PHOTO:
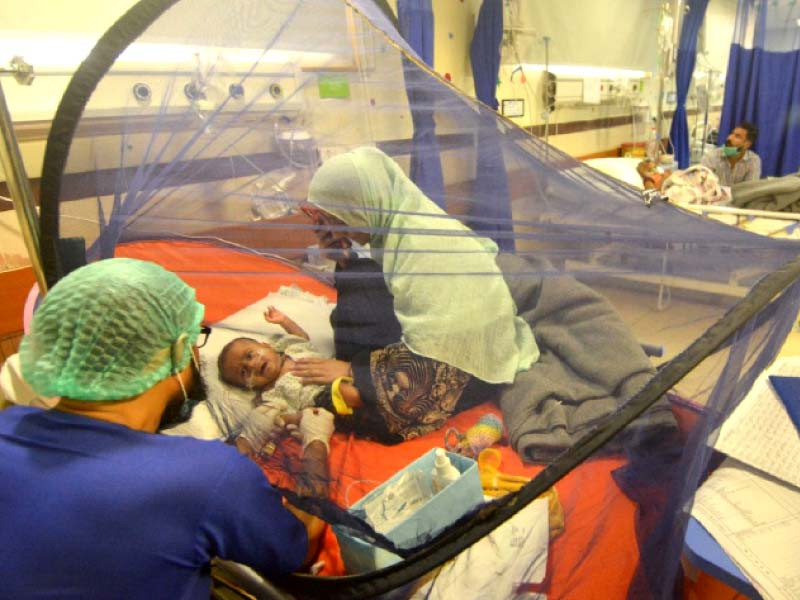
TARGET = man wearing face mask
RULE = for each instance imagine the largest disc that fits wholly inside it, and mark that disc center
(735, 162)
(95, 502)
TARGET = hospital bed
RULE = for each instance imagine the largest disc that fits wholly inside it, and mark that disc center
(358, 465)
(756, 206)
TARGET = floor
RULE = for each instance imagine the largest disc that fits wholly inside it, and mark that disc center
(673, 324)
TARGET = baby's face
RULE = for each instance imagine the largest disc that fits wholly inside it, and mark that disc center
(251, 365)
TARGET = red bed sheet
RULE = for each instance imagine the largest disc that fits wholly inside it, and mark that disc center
(596, 554)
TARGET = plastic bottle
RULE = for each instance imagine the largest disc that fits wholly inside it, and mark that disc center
(443, 472)
(652, 142)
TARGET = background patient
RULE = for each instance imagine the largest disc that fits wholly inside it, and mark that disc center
(694, 185)
(652, 178)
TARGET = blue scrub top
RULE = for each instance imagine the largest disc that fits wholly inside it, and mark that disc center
(91, 509)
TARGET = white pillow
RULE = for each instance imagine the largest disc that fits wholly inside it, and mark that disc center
(622, 168)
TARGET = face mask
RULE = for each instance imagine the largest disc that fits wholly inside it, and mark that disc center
(359, 250)
(730, 151)
(180, 411)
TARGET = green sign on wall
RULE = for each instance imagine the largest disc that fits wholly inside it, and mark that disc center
(335, 85)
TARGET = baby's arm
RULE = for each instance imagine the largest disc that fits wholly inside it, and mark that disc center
(275, 316)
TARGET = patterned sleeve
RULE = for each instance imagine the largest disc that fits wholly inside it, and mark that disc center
(414, 394)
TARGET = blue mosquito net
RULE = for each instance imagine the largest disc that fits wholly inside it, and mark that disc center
(246, 143)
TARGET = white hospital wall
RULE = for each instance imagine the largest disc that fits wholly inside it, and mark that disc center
(619, 33)
(574, 42)
(32, 107)
(91, 16)
(574, 29)
(718, 33)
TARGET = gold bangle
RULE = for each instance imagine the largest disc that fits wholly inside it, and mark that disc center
(339, 404)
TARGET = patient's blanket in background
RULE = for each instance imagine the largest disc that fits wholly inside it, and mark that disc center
(780, 194)
(696, 185)
(590, 364)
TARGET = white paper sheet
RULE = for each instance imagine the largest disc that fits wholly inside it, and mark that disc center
(499, 564)
(756, 520)
(760, 432)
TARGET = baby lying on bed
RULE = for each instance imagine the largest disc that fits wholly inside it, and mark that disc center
(266, 369)
(695, 185)
(275, 372)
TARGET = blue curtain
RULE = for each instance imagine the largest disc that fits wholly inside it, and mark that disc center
(485, 51)
(687, 54)
(491, 212)
(415, 20)
(763, 82)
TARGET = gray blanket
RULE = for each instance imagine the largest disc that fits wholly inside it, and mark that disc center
(780, 194)
(590, 365)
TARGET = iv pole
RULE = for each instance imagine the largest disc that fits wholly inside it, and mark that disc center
(667, 61)
(18, 184)
(705, 112)
(546, 40)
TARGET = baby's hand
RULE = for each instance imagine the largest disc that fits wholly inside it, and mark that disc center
(275, 316)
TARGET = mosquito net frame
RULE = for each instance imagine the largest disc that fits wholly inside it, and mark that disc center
(584, 224)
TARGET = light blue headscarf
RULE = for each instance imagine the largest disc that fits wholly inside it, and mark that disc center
(449, 296)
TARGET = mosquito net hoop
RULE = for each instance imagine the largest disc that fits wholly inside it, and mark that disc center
(192, 137)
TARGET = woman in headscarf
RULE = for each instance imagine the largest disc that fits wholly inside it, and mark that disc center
(427, 325)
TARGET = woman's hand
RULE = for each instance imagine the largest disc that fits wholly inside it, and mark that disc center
(320, 371)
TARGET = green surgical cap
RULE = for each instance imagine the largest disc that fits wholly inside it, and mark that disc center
(110, 330)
